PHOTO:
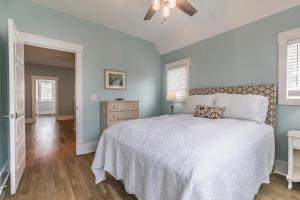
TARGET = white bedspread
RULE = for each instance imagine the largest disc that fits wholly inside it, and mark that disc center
(182, 157)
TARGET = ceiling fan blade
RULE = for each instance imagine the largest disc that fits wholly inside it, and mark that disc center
(186, 7)
(150, 13)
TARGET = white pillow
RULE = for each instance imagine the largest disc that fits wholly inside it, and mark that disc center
(194, 100)
(249, 107)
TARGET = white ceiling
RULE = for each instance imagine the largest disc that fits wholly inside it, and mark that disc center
(48, 57)
(213, 17)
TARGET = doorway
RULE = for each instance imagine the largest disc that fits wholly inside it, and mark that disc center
(49, 43)
(49, 95)
(49, 102)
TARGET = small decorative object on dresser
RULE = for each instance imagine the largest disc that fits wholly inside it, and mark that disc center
(113, 112)
(171, 97)
(294, 158)
(115, 79)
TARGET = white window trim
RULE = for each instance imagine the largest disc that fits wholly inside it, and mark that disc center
(283, 40)
(176, 64)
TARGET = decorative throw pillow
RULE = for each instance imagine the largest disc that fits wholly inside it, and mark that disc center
(216, 112)
(202, 111)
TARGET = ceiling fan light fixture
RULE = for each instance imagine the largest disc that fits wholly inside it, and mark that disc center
(156, 5)
(171, 3)
(167, 5)
(165, 11)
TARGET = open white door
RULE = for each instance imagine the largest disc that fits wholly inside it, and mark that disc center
(17, 106)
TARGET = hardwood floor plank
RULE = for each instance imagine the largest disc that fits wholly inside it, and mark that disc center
(113, 192)
(54, 172)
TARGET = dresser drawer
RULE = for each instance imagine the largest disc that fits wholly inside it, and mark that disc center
(296, 143)
(123, 115)
(123, 106)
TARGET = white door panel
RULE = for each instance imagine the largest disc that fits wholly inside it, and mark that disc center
(17, 106)
(20, 130)
(20, 155)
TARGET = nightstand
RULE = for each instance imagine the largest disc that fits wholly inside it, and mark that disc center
(294, 158)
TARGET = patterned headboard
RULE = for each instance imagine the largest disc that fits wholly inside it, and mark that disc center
(268, 90)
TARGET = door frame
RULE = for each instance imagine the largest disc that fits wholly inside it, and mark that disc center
(33, 96)
(45, 42)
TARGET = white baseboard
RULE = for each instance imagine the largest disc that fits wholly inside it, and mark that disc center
(87, 148)
(46, 113)
(4, 174)
(65, 117)
(29, 120)
(281, 167)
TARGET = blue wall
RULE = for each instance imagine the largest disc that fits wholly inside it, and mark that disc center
(3, 87)
(246, 55)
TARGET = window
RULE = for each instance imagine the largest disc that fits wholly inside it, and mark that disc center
(289, 67)
(178, 79)
(46, 90)
(293, 69)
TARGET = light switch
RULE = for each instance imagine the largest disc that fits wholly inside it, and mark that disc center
(93, 97)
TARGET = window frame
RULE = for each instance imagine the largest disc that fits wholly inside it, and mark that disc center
(284, 40)
(39, 91)
(174, 65)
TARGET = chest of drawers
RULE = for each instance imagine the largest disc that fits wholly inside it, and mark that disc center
(113, 112)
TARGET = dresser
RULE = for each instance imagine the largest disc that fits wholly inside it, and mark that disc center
(293, 158)
(113, 112)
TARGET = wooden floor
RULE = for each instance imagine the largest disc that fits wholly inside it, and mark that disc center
(53, 170)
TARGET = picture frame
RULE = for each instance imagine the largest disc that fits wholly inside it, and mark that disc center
(115, 79)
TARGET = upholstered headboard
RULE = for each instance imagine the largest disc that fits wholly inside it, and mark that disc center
(267, 90)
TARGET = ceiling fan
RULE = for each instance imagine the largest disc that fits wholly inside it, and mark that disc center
(166, 5)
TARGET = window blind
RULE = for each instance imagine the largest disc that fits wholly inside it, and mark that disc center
(293, 69)
(177, 81)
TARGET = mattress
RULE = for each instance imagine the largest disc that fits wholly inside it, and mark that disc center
(182, 157)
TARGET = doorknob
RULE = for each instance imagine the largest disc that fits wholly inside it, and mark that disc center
(5, 116)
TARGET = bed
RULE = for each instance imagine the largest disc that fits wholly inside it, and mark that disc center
(182, 157)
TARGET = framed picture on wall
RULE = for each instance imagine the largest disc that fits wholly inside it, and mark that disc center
(115, 79)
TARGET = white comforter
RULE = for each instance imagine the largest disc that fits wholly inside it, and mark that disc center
(182, 157)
